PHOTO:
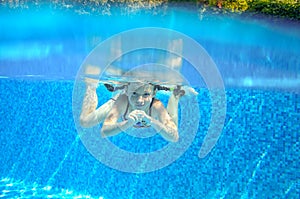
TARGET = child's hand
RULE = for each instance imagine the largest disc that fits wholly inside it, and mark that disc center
(138, 116)
(133, 117)
(144, 117)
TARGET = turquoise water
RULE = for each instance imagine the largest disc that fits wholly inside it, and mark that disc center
(42, 155)
(251, 52)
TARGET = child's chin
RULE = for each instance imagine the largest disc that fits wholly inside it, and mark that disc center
(140, 107)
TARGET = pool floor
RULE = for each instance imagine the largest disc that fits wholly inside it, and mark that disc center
(257, 155)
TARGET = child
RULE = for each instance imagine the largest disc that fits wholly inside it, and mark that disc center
(138, 108)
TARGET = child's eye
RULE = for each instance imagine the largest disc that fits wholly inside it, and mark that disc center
(134, 93)
(146, 94)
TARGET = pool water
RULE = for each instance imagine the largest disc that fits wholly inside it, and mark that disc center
(257, 155)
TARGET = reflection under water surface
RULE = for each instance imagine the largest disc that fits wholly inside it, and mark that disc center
(257, 155)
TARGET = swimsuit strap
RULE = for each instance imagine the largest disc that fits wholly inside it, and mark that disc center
(127, 107)
(151, 106)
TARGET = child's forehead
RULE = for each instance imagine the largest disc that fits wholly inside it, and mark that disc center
(140, 87)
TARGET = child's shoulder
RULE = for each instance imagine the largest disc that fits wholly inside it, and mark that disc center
(122, 100)
(157, 104)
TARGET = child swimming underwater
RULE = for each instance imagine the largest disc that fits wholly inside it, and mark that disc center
(137, 107)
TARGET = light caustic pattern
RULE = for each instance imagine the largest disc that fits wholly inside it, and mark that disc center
(19, 189)
(125, 57)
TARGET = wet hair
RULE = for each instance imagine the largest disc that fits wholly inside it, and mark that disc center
(159, 88)
(111, 88)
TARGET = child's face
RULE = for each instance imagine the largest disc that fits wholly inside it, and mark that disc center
(140, 95)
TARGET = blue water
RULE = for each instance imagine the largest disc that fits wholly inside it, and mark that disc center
(257, 155)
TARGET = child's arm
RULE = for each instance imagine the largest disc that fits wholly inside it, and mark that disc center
(165, 124)
(111, 126)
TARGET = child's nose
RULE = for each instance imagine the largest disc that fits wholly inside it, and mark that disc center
(140, 99)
